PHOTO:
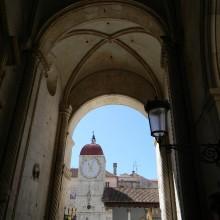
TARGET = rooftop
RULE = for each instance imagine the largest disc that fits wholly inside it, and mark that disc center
(92, 149)
(135, 197)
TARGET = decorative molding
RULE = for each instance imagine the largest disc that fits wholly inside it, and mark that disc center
(66, 110)
(56, 181)
(104, 35)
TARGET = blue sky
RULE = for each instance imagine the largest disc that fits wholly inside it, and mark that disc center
(124, 135)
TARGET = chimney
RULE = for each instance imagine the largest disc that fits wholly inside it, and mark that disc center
(115, 169)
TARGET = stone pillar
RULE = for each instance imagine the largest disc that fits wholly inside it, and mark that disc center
(17, 142)
(165, 185)
(56, 181)
(181, 127)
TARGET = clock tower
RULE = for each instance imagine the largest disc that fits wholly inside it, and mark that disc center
(91, 183)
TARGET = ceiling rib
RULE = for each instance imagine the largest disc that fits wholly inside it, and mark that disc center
(104, 35)
(111, 38)
(142, 61)
(75, 72)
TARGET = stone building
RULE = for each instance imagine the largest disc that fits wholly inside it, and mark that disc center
(95, 194)
(59, 59)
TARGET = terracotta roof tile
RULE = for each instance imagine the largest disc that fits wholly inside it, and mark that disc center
(130, 195)
(91, 149)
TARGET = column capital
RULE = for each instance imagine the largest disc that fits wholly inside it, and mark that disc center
(65, 109)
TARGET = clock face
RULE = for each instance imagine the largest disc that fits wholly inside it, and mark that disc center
(90, 168)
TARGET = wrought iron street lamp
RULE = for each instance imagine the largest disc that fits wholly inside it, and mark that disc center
(157, 115)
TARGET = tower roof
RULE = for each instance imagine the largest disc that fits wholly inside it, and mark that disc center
(92, 149)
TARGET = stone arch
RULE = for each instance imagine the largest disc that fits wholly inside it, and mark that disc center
(111, 82)
(65, 20)
(102, 101)
(163, 167)
(92, 104)
(135, 44)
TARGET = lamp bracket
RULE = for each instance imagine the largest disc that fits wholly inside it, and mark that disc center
(209, 153)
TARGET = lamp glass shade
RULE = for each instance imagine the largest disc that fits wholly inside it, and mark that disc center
(157, 120)
(157, 115)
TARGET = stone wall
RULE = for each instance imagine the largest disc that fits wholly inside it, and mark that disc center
(33, 192)
(201, 42)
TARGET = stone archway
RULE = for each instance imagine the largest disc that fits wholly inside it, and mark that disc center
(163, 162)
(91, 49)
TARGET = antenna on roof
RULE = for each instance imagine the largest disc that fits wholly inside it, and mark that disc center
(93, 138)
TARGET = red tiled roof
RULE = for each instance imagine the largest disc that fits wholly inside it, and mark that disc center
(124, 196)
(91, 149)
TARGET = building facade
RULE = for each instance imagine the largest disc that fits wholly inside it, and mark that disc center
(92, 193)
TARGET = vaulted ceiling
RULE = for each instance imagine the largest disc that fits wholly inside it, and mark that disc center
(98, 47)
(108, 44)
(106, 48)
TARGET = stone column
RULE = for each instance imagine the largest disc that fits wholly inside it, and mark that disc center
(181, 127)
(56, 181)
(165, 186)
(66, 174)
